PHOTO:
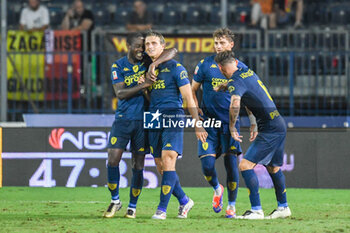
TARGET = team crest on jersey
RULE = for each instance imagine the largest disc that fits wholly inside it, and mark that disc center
(232, 185)
(135, 192)
(213, 66)
(156, 72)
(126, 69)
(135, 68)
(183, 74)
(231, 88)
(208, 178)
(205, 146)
(166, 189)
(115, 76)
(112, 186)
(114, 140)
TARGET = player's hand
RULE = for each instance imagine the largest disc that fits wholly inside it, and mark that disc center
(200, 114)
(253, 132)
(141, 79)
(235, 135)
(221, 87)
(201, 134)
(149, 80)
(152, 70)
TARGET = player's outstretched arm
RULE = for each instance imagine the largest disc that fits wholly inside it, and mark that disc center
(253, 126)
(187, 95)
(126, 93)
(234, 113)
(195, 87)
(166, 55)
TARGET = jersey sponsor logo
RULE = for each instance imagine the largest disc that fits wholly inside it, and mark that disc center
(159, 84)
(165, 70)
(93, 140)
(247, 74)
(213, 66)
(205, 146)
(166, 189)
(183, 74)
(168, 145)
(135, 68)
(215, 82)
(208, 178)
(126, 69)
(133, 78)
(196, 70)
(135, 192)
(115, 76)
(232, 185)
(231, 89)
(114, 140)
(274, 114)
(112, 186)
(114, 66)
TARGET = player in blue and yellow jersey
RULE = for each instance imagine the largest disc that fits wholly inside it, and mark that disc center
(267, 149)
(166, 144)
(219, 141)
(128, 125)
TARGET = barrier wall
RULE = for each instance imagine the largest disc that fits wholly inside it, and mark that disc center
(47, 157)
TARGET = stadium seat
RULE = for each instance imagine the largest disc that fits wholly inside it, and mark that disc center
(215, 15)
(101, 16)
(195, 16)
(121, 15)
(56, 16)
(339, 14)
(171, 16)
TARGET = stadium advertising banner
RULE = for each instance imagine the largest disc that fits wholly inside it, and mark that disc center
(48, 157)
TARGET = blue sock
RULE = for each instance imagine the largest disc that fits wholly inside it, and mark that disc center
(179, 193)
(232, 180)
(136, 187)
(252, 183)
(168, 182)
(208, 168)
(113, 181)
(280, 188)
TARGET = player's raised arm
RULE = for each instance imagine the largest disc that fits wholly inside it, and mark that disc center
(234, 113)
(253, 126)
(166, 55)
(187, 95)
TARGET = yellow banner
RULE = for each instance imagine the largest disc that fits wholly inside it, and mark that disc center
(25, 65)
(182, 44)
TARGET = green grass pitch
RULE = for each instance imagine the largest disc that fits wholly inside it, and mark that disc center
(25, 209)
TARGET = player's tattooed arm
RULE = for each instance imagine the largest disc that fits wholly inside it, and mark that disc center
(187, 95)
(234, 113)
(253, 125)
(195, 87)
(166, 55)
(125, 93)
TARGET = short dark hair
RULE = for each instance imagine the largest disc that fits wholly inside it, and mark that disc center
(225, 57)
(132, 36)
(224, 32)
(156, 34)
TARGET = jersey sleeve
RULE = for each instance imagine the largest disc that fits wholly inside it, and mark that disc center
(116, 74)
(181, 75)
(198, 72)
(236, 87)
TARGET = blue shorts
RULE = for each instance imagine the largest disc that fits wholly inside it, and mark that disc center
(125, 130)
(165, 139)
(267, 149)
(219, 141)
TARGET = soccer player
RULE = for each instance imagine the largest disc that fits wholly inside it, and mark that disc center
(167, 143)
(128, 124)
(219, 141)
(267, 149)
